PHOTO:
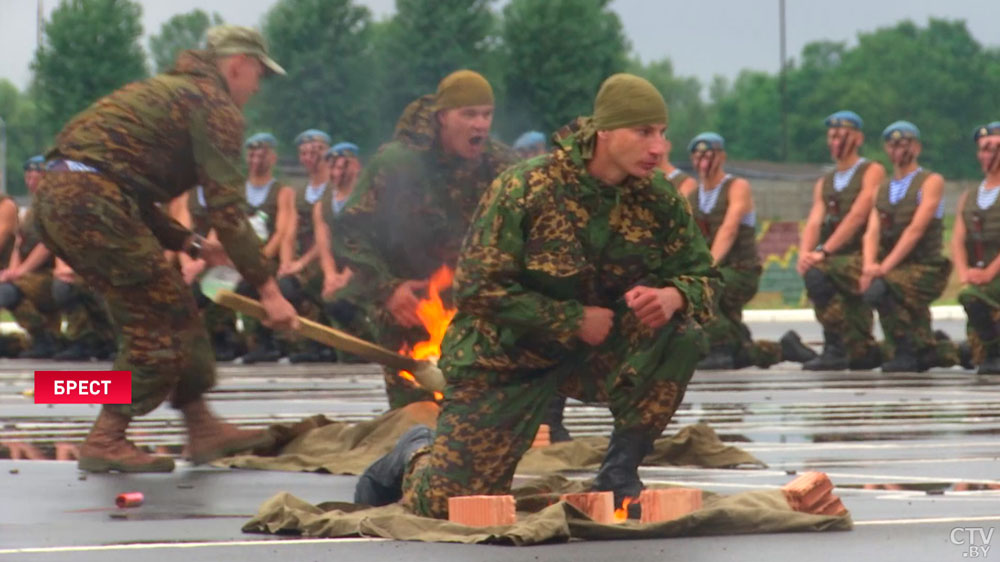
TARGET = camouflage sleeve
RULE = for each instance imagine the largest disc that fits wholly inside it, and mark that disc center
(169, 232)
(216, 135)
(487, 280)
(353, 239)
(688, 265)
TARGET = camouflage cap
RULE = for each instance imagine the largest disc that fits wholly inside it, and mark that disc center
(237, 40)
(463, 88)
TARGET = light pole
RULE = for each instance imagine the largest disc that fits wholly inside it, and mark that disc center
(781, 82)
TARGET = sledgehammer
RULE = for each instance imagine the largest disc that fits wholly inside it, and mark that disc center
(218, 284)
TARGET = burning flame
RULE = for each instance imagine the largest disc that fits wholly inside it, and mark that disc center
(436, 319)
(621, 514)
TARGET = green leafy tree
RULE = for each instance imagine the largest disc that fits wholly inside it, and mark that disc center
(183, 31)
(324, 47)
(24, 136)
(425, 41)
(749, 117)
(557, 53)
(91, 48)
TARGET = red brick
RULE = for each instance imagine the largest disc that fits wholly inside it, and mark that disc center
(542, 438)
(668, 504)
(812, 492)
(599, 506)
(482, 511)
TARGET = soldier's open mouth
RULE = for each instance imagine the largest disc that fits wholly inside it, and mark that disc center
(477, 140)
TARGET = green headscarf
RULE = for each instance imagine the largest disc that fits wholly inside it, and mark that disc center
(624, 100)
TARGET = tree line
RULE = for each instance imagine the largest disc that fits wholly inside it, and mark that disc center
(352, 75)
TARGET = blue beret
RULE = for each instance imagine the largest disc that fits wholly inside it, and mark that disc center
(261, 139)
(531, 138)
(310, 135)
(901, 130)
(845, 119)
(343, 149)
(707, 141)
(986, 130)
(35, 163)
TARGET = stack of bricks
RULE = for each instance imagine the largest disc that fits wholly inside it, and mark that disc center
(482, 511)
(542, 438)
(599, 506)
(812, 492)
(668, 504)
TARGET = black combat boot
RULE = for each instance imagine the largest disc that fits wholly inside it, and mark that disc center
(718, 359)
(619, 472)
(872, 359)
(382, 482)
(81, 349)
(905, 360)
(833, 358)
(981, 320)
(554, 419)
(43, 346)
(792, 348)
(266, 351)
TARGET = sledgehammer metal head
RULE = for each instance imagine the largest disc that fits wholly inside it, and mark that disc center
(218, 284)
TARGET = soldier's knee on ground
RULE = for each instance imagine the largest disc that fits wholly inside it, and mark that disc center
(819, 288)
(877, 295)
(64, 294)
(10, 295)
(291, 289)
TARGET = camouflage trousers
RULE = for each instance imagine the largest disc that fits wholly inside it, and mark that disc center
(727, 330)
(36, 311)
(489, 418)
(304, 290)
(905, 314)
(842, 312)
(86, 316)
(88, 221)
(988, 295)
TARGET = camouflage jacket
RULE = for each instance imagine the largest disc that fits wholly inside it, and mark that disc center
(549, 239)
(158, 138)
(411, 207)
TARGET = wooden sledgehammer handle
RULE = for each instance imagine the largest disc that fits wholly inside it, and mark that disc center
(324, 334)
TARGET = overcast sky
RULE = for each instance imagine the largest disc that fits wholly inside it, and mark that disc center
(704, 39)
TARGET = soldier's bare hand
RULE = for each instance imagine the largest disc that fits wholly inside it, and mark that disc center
(979, 276)
(281, 314)
(654, 307)
(595, 325)
(191, 270)
(403, 303)
(213, 253)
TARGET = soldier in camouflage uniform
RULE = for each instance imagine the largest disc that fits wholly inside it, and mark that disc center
(975, 250)
(345, 169)
(830, 250)
(300, 275)
(903, 269)
(584, 273)
(145, 143)
(89, 333)
(411, 208)
(26, 283)
(270, 205)
(724, 211)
